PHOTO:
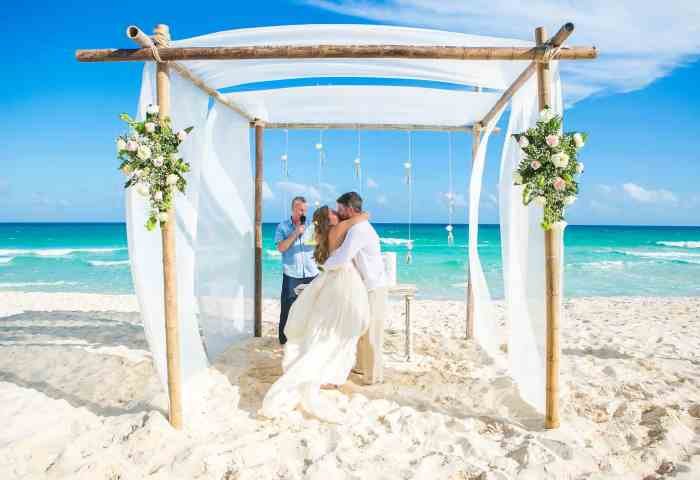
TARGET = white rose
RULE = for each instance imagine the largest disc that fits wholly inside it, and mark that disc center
(578, 140)
(517, 179)
(579, 167)
(132, 146)
(171, 179)
(569, 200)
(121, 144)
(150, 127)
(181, 135)
(158, 196)
(144, 153)
(158, 161)
(153, 109)
(540, 201)
(546, 115)
(142, 189)
(523, 142)
(560, 160)
(163, 216)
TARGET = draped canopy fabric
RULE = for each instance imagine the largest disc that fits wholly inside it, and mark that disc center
(215, 251)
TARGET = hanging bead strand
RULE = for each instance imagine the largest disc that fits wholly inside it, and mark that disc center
(408, 166)
(450, 193)
(358, 160)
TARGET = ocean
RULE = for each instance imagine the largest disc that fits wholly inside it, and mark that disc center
(600, 260)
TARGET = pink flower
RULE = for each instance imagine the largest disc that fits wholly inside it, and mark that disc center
(535, 165)
(132, 146)
(552, 140)
(559, 184)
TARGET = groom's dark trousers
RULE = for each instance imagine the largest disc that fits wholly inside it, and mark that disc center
(288, 297)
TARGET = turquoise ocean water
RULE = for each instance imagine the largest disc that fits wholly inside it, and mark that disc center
(600, 260)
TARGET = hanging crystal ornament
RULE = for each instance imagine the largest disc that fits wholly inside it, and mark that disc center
(358, 161)
(407, 173)
(450, 235)
(285, 155)
(409, 252)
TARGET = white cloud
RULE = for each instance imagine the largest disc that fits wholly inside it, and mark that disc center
(323, 193)
(371, 183)
(459, 200)
(381, 199)
(643, 195)
(638, 40)
(267, 192)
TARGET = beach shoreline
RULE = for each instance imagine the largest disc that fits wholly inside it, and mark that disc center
(81, 400)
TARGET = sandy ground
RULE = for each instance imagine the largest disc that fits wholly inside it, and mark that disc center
(80, 400)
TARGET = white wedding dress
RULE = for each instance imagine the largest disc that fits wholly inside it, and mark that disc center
(324, 325)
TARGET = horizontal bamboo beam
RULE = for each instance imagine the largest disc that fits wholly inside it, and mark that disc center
(333, 51)
(556, 41)
(369, 126)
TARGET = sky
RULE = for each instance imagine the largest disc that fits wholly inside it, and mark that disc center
(638, 102)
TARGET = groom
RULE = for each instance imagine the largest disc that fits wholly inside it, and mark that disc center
(361, 246)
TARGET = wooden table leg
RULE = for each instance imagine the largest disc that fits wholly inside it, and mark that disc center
(409, 333)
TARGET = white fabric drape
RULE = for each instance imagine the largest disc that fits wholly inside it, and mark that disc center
(485, 326)
(228, 73)
(374, 104)
(188, 108)
(522, 246)
(224, 251)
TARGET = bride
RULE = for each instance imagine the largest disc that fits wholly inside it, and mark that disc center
(324, 325)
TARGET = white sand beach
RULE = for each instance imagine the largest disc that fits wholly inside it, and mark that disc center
(80, 399)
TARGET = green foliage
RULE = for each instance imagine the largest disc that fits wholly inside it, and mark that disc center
(548, 171)
(149, 155)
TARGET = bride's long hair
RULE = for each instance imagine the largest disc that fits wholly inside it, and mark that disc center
(322, 226)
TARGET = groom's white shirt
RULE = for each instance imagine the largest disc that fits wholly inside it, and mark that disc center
(361, 245)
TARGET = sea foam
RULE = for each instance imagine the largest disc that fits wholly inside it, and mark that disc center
(108, 263)
(55, 252)
(687, 244)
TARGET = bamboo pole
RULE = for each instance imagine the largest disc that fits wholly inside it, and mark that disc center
(172, 334)
(259, 134)
(552, 247)
(476, 138)
(267, 52)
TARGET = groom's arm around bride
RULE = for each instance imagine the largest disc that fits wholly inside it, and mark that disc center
(362, 247)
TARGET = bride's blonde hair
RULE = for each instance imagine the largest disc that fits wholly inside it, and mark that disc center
(322, 226)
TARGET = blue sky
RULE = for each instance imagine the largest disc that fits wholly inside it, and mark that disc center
(638, 102)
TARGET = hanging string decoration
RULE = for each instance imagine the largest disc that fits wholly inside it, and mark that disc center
(285, 171)
(321, 162)
(408, 172)
(450, 193)
(358, 161)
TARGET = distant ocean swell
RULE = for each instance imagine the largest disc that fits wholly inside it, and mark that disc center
(56, 252)
(689, 244)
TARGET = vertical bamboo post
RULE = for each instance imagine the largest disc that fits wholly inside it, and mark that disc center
(476, 138)
(172, 333)
(552, 249)
(259, 134)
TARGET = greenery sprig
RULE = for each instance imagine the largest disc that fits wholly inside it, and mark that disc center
(149, 158)
(549, 169)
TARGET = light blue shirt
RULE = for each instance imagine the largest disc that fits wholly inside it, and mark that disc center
(298, 261)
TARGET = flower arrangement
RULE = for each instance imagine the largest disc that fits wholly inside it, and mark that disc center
(149, 158)
(549, 168)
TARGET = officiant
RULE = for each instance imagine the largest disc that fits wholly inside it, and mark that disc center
(295, 241)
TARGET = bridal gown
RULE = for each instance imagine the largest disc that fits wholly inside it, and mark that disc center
(324, 325)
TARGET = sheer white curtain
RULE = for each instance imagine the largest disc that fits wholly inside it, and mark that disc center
(485, 326)
(522, 247)
(188, 108)
(225, 251)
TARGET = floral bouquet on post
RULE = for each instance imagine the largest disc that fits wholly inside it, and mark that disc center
(549, 168)
(149, 158)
